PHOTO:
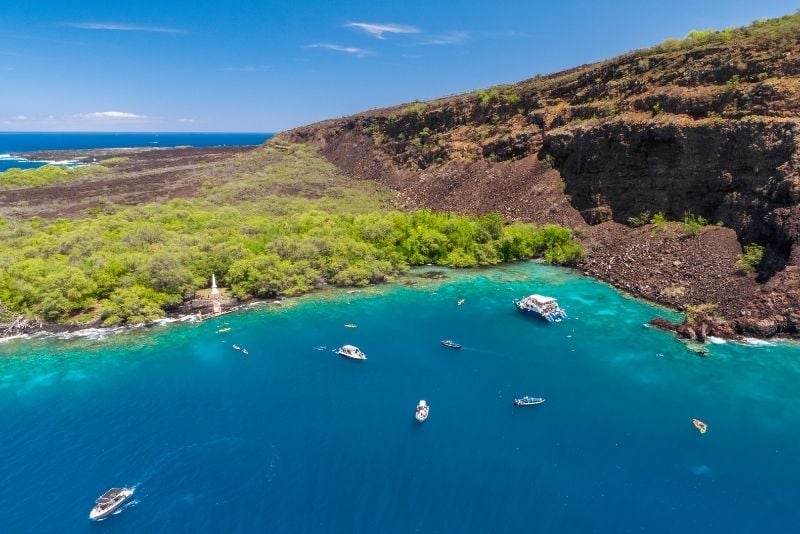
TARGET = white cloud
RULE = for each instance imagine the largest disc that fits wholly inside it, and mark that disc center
(113, 26)
(20, 118)
(186, 121)
(112, 115)
(449, 38)
(378, 29)
(360, 52)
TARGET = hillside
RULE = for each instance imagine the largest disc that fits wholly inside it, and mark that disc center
(701, 130)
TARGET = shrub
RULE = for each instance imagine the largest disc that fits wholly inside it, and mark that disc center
(658, 219)
(750, 258)
(641, 220)
(693, 224)
(733, 83)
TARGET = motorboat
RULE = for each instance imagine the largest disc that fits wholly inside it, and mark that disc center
(351, 325)
(460, 302)
(422, 411)
(528, 401)
(109, 502)
(450, 343)
(245, 352)
(351, 351)
(223, 330)
(699, 425)
(237, 347)
(543, 307)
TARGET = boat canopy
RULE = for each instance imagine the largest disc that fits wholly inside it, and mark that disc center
(110, 495)
(349, 348)
(542, 299)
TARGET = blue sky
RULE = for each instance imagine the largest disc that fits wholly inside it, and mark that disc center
(249, 65)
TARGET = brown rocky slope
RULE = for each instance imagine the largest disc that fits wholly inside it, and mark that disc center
(707, 126)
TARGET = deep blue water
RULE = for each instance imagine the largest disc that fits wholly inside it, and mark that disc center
(291, 439)
(21, 142)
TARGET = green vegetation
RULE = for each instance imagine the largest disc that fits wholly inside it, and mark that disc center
(733, 83)
(750, 258)
(46, 175)
(780, 32)
(115, 160)
(487, 96)
(641, 220)
(692, 224)
(415, 108)
(283, 227)
(699, 311)
(658, 220)
(657, 109)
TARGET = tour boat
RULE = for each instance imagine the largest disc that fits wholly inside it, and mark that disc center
(422, 411)
(699, 425)
(109, 502)
(528, 401)
(351, 351)
(450, 343)
(540, 306)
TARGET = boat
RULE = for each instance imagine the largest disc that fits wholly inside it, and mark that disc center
(699, 425)
(450, 343)
(422, 411)
(351, 351)
(528, 401)
(460, 302)
(541, 306)
(245, 352)
(351, 325)
(237, 347)
(223, 330)
(109, 502)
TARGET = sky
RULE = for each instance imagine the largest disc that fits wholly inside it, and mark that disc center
(266, 66)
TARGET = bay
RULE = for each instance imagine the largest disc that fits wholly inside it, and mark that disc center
(294, 439)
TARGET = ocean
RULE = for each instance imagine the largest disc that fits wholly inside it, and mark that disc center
(293, 438)
(22, 142)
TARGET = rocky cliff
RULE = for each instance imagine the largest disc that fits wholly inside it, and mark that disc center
(706, 128)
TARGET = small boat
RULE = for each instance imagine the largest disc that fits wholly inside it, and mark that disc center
(321, 347)
(223, 330)
(543, 307)
(528, 401)
(109, 502)
(450, 343)
(351, 325)
(351, 351)
(699, 425)
(460, 302)
(245, 352)
(422, 411)
(237, 347)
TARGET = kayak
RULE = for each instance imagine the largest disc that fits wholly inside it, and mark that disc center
(699, 425)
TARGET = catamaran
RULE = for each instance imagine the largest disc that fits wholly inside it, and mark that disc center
(541, 306)
(109, 502)
(351, 351)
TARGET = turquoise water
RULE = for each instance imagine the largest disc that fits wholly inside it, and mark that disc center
(292, 439)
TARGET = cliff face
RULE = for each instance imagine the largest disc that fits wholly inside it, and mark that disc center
(708, 126)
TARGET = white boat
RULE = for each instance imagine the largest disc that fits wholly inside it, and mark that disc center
(528, 401)
(544, 307)
(109, 502)
(352, 352)
(422, 411)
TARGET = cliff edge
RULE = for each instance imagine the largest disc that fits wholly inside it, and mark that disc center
(666, 162)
